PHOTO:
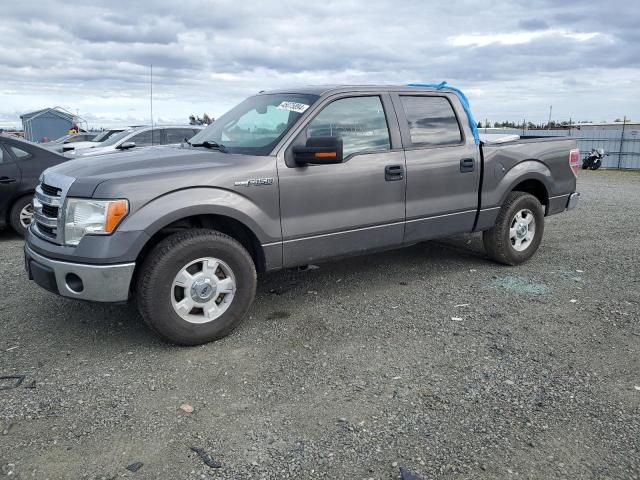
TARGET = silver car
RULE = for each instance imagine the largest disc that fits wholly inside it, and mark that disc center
(100, 138)
(142, 137)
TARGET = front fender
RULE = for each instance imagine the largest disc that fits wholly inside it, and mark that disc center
(180, 204)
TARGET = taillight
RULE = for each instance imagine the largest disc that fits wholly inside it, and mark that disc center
(574, 161)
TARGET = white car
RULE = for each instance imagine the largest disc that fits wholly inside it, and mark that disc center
(95, 142)
(142, 137)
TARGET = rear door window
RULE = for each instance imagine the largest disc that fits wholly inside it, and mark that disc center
(178, 135)
(19, 153)
(432, 121)
(143, 139)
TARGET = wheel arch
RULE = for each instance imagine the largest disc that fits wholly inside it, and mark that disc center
(534, 187)
(530, 176)
(223, 223)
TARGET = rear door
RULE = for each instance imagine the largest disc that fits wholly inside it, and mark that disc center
(31, 164)
(351, 207)
(443, 171)
(148, 138)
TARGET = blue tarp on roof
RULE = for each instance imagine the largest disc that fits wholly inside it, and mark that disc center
(463, 100)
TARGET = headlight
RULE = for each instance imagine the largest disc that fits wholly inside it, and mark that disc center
(84, 216)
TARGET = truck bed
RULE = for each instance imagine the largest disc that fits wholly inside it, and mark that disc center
(545, 158)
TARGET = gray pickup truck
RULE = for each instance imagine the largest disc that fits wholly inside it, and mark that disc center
(284, 179)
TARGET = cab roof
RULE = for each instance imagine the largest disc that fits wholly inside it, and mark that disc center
(331, 89)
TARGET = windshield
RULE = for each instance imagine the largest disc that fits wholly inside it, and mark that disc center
(255, 126)
(102, 136)
(112, 140)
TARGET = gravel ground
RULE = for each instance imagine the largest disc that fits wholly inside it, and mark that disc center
(430, 358)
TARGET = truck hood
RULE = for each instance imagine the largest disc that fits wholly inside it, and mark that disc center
(172, 166)
(143, 161)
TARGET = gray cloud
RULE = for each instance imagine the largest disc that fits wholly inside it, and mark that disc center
(208, 55)
(533, 24)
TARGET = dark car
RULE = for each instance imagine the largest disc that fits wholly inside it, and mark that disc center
(21, 164)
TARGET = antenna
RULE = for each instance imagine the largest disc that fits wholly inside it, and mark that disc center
(151, 101)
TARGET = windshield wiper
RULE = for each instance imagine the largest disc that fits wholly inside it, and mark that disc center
(209, 144)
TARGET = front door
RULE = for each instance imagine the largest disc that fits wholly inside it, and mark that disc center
(443, 169)
(353, 206)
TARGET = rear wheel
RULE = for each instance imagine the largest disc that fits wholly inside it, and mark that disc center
(518, 231)
(21, 215)
(196, 286)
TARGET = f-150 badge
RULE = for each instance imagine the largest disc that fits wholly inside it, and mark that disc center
(254, 182)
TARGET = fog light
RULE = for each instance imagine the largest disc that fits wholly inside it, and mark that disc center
(74, 282)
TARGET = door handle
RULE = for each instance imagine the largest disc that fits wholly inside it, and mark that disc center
(7, 180)
(467, 165)
(393, 172)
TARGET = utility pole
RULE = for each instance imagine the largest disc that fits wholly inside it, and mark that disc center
(151, 100)
(549, 122)
(570, 122)
(624, 123)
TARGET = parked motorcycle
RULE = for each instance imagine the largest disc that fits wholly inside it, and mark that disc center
(593, 160)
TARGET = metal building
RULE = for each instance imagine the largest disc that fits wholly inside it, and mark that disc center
(49, 123)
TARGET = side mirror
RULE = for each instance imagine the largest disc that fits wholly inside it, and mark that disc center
(319, 151)
(127, 145)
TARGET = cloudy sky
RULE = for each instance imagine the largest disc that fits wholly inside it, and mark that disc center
(514, 59)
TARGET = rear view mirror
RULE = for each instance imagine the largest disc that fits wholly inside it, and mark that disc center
(127, 145)
(319, 151)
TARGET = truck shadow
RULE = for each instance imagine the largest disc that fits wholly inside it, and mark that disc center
(120, 327)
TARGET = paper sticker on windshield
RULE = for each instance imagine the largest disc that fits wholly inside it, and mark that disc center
(293, 107)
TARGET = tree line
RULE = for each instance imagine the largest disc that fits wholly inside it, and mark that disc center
(538, 126)
(197, 120)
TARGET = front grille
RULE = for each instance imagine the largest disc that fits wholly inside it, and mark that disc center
(50, 211)
(47, 210)
(49, 190)
(48, 203)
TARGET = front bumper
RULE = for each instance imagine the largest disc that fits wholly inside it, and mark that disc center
(97, 283)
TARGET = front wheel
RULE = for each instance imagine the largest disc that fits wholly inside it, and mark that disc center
(518, 230)
(196, 286)
(596, 165)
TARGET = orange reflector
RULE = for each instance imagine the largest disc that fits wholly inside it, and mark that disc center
(326, 154)
(116, 211)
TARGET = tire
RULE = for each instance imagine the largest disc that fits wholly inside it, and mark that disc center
(19, 222)
(584, 166)
(160, 298)
(596, 165)
(498, 241)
